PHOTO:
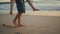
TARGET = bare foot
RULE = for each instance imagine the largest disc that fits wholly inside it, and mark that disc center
(35, 9)
(14, 22)
(20, 25)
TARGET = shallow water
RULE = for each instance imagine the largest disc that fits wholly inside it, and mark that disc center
(42, 5)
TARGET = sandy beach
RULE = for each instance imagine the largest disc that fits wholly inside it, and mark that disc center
(45, 21)
(4, 0)
(36, 23)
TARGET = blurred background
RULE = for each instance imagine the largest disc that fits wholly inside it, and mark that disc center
(43, 5)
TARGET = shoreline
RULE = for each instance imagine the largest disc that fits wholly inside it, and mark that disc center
(38, 13)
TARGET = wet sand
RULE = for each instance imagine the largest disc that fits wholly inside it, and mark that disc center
(35, 24)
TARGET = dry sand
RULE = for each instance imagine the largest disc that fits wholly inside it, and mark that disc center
(4, 0)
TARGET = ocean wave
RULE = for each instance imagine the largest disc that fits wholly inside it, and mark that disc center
(42, 5)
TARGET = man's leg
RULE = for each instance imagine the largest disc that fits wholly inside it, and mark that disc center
(19, 19)
(17, 16)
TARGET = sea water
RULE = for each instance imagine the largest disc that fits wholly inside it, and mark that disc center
(42, 5)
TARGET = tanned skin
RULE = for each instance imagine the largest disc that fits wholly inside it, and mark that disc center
(18, 16)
